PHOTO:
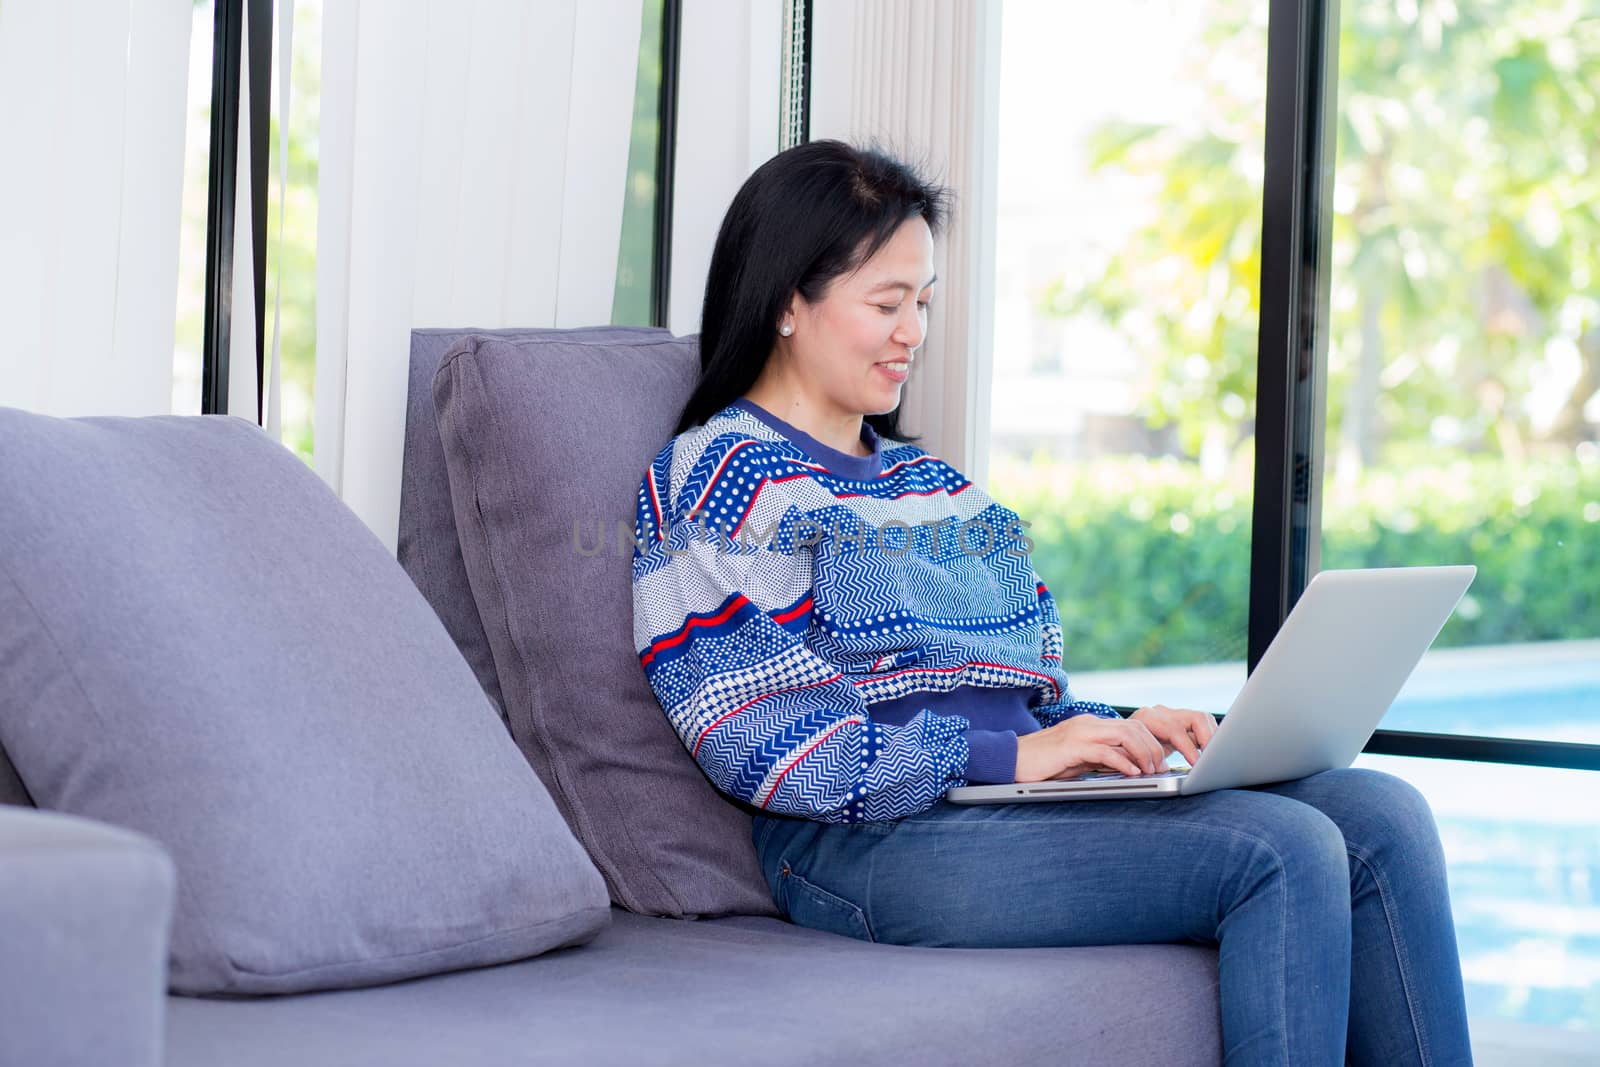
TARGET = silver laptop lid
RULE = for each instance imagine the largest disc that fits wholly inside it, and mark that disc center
(1330, 674)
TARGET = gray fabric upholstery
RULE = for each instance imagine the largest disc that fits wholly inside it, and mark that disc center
(12, 791)
(85, 910)
(740, 990)
(202, 643)
(546, 438)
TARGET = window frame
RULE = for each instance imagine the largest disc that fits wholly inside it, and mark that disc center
(222, 185)
(666, 160)
(222, 182)
(1292, 364)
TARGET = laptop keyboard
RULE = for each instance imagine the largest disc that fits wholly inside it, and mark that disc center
(1174, 773)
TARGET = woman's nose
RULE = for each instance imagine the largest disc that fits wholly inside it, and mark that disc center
(910, 330)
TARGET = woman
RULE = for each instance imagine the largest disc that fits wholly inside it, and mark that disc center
(841, 627)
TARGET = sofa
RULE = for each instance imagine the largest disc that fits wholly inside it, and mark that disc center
(274, 797)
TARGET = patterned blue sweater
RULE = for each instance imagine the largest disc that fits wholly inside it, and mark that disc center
(837, 637)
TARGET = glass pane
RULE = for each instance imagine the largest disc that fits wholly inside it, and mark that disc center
(189, 336)
(1523, 851)
(1464, 346)
(631, 305)
(1127, 276)
(292, 264)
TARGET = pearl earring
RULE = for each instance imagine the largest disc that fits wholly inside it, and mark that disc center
(786, 329)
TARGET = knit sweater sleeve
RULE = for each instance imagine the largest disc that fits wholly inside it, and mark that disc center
(719, 628)
(1050, 659)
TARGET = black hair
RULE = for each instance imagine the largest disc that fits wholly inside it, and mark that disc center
(806, 216)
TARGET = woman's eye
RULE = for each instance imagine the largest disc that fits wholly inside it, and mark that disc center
(923, 304)
(889, 309)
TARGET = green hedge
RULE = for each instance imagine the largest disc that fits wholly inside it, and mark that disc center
(1150, 565)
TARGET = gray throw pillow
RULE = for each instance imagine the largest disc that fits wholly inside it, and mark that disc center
(202, 643)
(546, 440)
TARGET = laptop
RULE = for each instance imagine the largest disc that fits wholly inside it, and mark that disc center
(1335, 666)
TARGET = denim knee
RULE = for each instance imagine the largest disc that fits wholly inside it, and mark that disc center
(1392, 794)
(1310, 847)
(1394, 815)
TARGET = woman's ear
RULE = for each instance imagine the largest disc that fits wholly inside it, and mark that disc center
(789, 320)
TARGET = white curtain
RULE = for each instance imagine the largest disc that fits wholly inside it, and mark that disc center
(728, 111)
(473, 168)
(922, 77)
(92, 123)
(283, 53)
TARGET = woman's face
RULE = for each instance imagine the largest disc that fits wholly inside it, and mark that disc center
(851, 351)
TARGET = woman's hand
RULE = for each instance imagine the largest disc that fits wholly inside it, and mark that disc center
(1086, 743)
(1183, 729)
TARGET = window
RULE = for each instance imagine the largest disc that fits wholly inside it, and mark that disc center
(1463, 425)
(1127, 267)
(1464, 346)
(637, 251)
(1441, 404)
(292, 211)
(292, 205)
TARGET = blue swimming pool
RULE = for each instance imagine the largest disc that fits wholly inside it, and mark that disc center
(1566, 712)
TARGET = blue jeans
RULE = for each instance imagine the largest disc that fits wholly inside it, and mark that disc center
(1325, 896)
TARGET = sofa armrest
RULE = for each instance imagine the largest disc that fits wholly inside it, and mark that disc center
(85, 912)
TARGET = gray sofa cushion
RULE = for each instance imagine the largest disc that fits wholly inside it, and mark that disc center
(740, 990)
(546, 438)
(203, 644)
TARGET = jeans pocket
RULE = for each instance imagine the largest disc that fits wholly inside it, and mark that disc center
(808, 904)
